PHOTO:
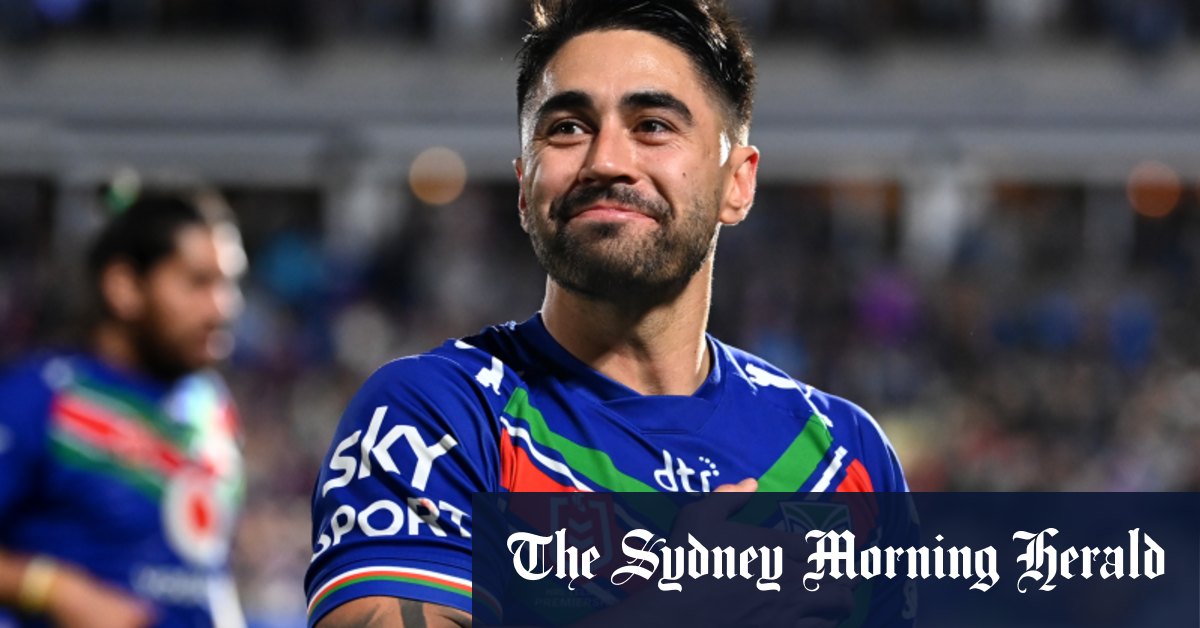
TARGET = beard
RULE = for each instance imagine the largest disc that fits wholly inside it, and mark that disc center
(606, 261)
(157, 357)
(166, 353)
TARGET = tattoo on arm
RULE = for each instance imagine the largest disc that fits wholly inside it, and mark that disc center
(412, 613)
(364, 619)
(382, 613)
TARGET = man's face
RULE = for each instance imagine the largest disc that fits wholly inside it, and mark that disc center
(189, 300)
(626, 167)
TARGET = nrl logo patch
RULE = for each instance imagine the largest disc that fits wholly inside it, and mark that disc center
(589, 523)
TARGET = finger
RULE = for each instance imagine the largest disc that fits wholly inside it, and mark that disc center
(747, 485)
(711, 509)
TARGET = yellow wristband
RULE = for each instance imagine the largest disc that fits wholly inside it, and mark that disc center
(35, 584)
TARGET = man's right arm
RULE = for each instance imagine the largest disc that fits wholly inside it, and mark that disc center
(391, 612)
(70, 597)
(392, 513)
(63, 592)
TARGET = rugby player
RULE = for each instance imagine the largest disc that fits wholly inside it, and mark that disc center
(120, 470)
(634, 126)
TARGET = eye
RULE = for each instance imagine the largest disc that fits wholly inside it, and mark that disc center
(653, 126)
(566, 127)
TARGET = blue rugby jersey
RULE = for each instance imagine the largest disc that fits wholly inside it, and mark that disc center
(511, 410)
(134, 480)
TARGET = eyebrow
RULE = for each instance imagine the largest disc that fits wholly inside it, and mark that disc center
(563, 101)
(575, 99)
(657, 100)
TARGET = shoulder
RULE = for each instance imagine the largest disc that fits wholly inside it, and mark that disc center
(427, 374)
(460, 386)
(28, 389)
(775, 386)
(38, 377)
(847, 422)
(456, 368)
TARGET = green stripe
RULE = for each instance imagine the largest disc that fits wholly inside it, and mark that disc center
(128, 405)
(593, 463)
(789, 472)
(786, 475)
(793, 468)
(152, 418)
(388, 578)
(121, 401)
(80, 455)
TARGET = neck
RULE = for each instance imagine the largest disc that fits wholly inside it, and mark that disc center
(114, 344)
(655, 349)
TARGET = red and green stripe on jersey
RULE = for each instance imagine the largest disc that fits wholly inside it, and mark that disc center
(522, 414)
(536, 458)
(110, 431)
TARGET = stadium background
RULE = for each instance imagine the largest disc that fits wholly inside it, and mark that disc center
(979, 219)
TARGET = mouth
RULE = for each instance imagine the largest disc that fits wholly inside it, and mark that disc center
(610, 212)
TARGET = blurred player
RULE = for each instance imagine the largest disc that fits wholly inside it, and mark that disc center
(634, 126)
(119, 466)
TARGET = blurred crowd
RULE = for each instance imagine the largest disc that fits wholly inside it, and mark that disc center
(1056, 350)
(1146, 26)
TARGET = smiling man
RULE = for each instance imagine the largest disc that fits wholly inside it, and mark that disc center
(634, 126)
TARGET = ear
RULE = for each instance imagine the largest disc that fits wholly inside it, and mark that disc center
(739, 191)
(522, 204)
(122, 292)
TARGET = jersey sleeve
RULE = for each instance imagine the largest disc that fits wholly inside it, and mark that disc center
(23, 430)
(871, 464)
(392, 504)
(879, 456)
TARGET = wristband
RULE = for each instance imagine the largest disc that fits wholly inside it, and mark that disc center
(34, 594)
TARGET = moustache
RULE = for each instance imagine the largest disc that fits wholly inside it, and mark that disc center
(579, 199)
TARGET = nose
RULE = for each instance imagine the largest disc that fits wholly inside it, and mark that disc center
(611, 158)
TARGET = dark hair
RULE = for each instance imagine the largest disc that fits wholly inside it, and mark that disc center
(703, 29)
(145, 234)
